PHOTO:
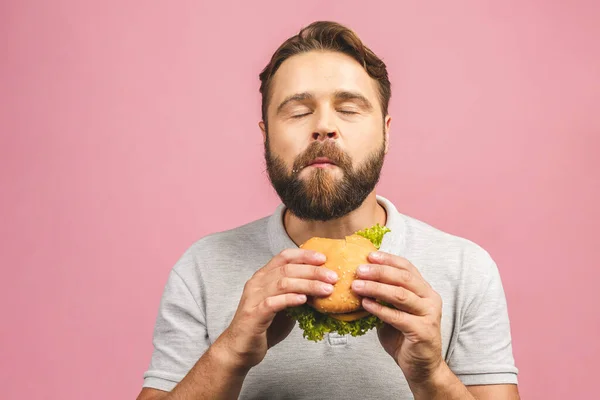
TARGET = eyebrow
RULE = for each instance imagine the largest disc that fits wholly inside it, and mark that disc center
(338, 95)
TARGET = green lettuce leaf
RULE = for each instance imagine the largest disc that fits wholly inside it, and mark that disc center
(374, 234)
(315, 324)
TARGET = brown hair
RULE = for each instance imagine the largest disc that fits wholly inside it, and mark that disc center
(332, 36)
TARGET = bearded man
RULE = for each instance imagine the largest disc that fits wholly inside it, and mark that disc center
(223, 331)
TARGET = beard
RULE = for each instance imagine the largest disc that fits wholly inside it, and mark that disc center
(322, 196)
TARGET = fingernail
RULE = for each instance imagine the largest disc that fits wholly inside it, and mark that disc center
(376, 255)
(363, 269)
(358, 284)
(332, 276)
(327, 288)
(320, 257)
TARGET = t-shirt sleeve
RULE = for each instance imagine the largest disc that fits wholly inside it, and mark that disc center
(483, 351)
(180, 336)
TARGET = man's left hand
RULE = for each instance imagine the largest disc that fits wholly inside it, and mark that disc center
(411, 333)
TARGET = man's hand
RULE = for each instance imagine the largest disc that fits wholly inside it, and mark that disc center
(411, 333)
(412, 330)
(258, 323)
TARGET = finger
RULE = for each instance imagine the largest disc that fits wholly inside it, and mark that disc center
(394, 276)
(397, 296)
(308, 287)
(403, 321)
(304, 271)
(274, 304)
(381, 257)
(295, 256)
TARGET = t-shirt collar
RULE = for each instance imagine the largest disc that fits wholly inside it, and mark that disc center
(393, 241)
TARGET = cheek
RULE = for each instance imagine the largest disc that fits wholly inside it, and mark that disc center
(285, 150)
(363, 146)
(287, 142)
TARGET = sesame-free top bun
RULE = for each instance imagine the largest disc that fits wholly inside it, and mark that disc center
(343, 256)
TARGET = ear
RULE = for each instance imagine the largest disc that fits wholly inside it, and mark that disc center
(388, 124)
(263, 128)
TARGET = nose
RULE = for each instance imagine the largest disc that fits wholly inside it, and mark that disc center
(324, 135)
(325, 128)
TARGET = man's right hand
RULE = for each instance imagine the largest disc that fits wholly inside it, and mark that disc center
(259, 323)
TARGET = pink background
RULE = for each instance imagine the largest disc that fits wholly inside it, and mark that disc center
(129, 130)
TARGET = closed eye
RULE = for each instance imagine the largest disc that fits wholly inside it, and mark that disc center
(347, 112)
(300, 115)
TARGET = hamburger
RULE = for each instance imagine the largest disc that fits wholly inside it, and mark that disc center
(342, 310)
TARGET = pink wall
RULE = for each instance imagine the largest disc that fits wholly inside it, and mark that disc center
(128, 130)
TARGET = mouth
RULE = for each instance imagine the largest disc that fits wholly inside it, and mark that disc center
(321, 162)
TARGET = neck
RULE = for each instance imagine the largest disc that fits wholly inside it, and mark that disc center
(369, 213)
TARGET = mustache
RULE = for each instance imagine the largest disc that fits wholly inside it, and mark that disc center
(316, 150)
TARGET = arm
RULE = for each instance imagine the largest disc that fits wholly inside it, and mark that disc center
(490, 392)
(212, 377)
(446, 386)
(412, 336)
(186, 366)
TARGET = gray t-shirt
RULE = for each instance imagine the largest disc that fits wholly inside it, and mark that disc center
(204, 287)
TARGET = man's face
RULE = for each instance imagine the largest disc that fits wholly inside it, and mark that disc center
(326, 137)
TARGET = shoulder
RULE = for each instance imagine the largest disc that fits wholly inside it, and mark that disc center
(231, 240)
(454, 254)
(422, 236)
(218, 247)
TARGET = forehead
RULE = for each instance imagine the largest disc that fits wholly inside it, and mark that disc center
(321, 73)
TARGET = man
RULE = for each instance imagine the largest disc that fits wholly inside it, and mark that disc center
(222, 331)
